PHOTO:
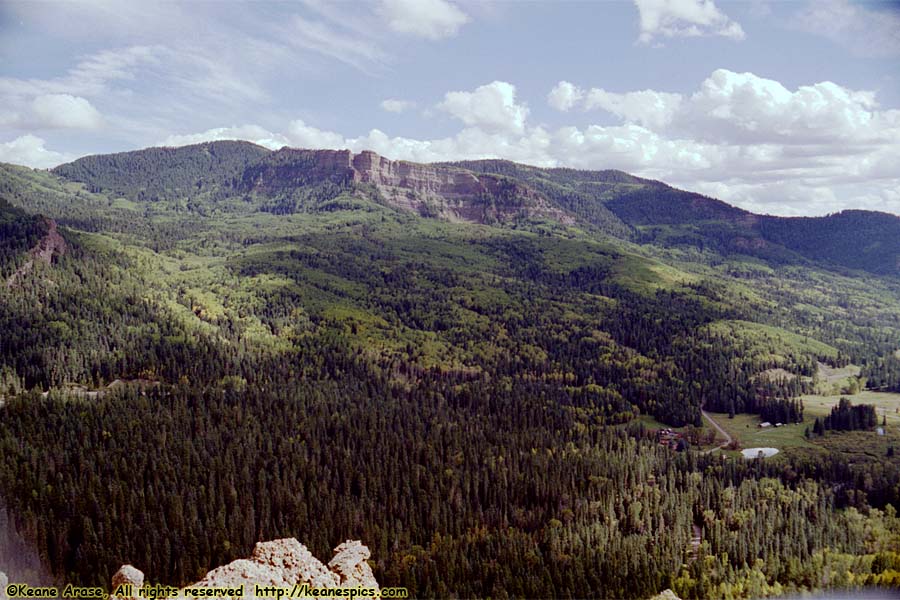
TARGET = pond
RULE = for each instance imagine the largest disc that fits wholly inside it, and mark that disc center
(755, 452)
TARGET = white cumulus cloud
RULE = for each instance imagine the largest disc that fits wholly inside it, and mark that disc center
(752, 141)
(30, 150)
(492, 107)
(647, 107)
(430, 19)
(564, 96)
(684, 18)
(306, 136)
(746, 108)
(743, 107)
(65, 111)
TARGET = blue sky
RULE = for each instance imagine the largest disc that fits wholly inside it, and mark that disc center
(779, 107)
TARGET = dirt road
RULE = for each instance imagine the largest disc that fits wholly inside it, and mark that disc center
(724, 433)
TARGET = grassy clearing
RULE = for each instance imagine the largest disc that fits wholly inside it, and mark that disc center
(833, 381)
(837, 374)
(745, 428)
(651, 423)
(861, 444)
(645, 275)
(125, 204)
(773, 341)
(886, 405)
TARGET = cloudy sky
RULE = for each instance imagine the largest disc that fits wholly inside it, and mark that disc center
(779, 107)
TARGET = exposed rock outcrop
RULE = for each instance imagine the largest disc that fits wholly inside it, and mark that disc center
(281, 563)
(52, 243)
(128, 575)
(456, 194)
(3, 583)
(349, 563)
(450, 193)
(666, 595)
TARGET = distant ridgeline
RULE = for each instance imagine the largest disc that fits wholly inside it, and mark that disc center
(462, 364)
(204, 176)
(660, 214)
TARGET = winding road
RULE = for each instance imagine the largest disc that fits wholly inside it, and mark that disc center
(712, 422)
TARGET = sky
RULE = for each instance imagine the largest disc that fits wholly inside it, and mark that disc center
(788, 107)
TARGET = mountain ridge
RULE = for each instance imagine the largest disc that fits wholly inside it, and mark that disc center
(488, 192)
(413, 187)
(489, 165)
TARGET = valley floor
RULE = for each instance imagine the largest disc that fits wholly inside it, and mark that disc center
(746, 430)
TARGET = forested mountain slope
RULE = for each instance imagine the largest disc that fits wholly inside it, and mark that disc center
(858, 239)
(458, 364)
(854, 238)
(19, 232)
(163, 173)
(289, 180)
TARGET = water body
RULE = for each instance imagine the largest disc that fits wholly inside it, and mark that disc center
(755, 452)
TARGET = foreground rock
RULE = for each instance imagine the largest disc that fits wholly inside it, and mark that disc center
(3, 583)
(280, 563)
(128, 575)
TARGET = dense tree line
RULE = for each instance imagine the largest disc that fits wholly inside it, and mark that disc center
(496, 482)
(884, 373)
(158, 174)
(782, 411)
(307, 198)
(18, 233)
(849, 417)
(807, 234)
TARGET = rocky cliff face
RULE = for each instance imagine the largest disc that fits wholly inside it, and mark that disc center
(447, 192)
(280, 563)
(52, 243)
